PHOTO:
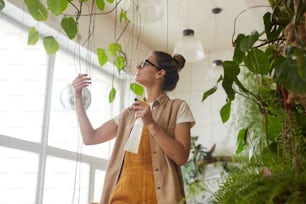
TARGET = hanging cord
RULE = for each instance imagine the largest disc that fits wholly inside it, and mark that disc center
(89, 44)
(167, 21)
(236, 18)
(77, 171)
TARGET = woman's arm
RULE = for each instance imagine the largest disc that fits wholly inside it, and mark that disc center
(90, 135)
(176, 148)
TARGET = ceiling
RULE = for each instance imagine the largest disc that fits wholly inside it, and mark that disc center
(215, 31)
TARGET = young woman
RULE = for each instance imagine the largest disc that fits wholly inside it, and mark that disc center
(153, 174)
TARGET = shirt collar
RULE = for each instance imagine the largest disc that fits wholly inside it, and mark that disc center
(161, 100)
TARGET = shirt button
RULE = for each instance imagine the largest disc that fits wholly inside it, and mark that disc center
(156, 169)
(158, 188)
(154, 152)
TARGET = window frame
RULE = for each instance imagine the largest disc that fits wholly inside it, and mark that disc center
(12, 14)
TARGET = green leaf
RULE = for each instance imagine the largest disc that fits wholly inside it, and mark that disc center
(299, 55)
(275, 127)
(110, 1)
(50, 44)
(100, 4)
(220, 78)
(137, 89)
(209, 92)
(226, 111)
(272, 30)
(247, 42)
(102, 56)
(301, 10)
(241, 140)
(114, 49)
(33, 36)
(267, 18)
(57, 7)
(271, 53)
(119, 63)
(241, 87)
(238, 53)
(112, 95)
(287, 74)
(231, 70)
(281, 18)
(2, 5)
(70, 27)
(257, 61)
(123, 16)
(37, 10)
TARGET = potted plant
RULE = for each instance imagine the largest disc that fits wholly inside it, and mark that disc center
(267, 74)
(196, 185)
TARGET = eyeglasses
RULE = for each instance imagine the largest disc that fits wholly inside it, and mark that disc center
(144, 63)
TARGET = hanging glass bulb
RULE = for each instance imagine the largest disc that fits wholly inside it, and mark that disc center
(143, 11)
(67, 97)
(189, 47)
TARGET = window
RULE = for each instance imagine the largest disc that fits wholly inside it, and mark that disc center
(61, 186)
(22, 84)
(18, 178)
(42, 156)
(63, 129)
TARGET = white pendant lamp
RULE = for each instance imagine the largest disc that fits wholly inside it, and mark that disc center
(189, 47)
(143, 11)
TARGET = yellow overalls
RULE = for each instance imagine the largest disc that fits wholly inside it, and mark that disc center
(136, 183)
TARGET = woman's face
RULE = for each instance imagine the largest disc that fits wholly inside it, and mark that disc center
(146, 71)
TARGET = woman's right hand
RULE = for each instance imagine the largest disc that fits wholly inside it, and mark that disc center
(81, 81)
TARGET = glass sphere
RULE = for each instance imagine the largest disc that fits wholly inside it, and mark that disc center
(67, 97)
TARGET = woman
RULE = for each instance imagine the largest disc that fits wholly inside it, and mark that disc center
(153, 174)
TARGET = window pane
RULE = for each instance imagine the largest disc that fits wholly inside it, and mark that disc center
(18, 176)
(66, 182)
(22, 84)
(64, 130)
(99, 179)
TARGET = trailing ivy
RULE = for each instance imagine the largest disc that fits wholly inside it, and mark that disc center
(42, 10)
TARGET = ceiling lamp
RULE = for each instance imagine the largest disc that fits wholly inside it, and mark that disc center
(216, 10)
(143, 11)
(189, 47)
(217, 62)
(67, 97)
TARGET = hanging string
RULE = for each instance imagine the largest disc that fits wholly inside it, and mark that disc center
(188, 13)
(83, 66)
(214, 34)
(167, 25)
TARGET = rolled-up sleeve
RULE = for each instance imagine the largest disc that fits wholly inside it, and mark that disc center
(185, 115)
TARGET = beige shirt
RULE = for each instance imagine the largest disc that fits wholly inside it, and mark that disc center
(167, 175)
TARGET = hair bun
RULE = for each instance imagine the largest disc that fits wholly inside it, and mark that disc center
(180, 60)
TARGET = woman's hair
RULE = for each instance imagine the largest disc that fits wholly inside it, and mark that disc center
(171, 65)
